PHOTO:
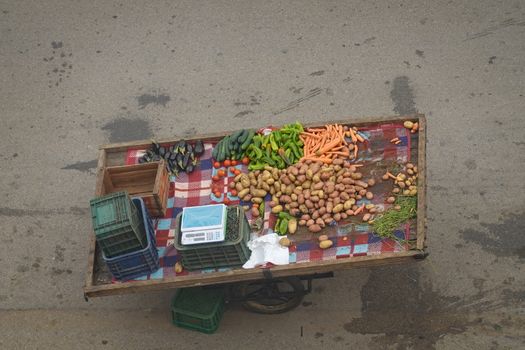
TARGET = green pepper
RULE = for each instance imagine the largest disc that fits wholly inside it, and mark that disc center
(295, 151)
(283, 226)
(257, 141)
(277, 136)
(256, 166)
(273, 144)
(261, 210)
(258, 153)
(276, 227)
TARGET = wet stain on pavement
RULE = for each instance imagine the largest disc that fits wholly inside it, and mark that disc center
(84, 167)
(471, 164)
(128, 129)
(420, 53)
(59, 63)
(492, 59)
(403, 96)
(153, 99)
(396, 306)
(503, 238)
(318, 73)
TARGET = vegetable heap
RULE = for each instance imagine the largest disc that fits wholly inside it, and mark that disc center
(329, 142)
(233, 146)
(279, 149)
(181, 156)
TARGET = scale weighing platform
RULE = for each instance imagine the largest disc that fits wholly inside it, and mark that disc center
(203, 224)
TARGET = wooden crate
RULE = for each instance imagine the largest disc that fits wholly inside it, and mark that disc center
(148, 181)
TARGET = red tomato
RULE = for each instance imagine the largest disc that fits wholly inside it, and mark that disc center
(234, 162)
(217, 194)
(234, 192)
(245, 160)
(237, 172)
(221, 173)
(226, 201)
(232, 170)
(216, 165)
(227, 163)
(215, 178)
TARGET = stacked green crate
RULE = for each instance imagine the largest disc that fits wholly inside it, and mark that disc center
(117, 225)
(198, 308)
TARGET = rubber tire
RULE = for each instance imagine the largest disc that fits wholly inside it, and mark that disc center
(256, 307)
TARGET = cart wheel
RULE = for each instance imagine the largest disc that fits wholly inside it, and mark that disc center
(272, 296)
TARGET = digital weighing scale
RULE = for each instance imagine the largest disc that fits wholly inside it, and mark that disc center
(203, 224)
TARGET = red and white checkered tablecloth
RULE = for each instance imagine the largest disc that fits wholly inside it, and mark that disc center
(350, 239)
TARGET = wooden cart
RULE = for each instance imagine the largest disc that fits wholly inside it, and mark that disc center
(114, 154)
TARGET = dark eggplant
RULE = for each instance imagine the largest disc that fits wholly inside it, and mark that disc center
(186, 160)
(155, 158)
(190, 168)
(199, 148)
(171, 148)
(155, 147)
(167, 155)
(142, 160)
(162, 151)
(189, 148)
(173, 157)
(182, 146)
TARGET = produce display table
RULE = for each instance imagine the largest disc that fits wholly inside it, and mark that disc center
(355, 244)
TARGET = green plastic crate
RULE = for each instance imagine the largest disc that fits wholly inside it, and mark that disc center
(232, 252)
(198, 308)
(117, 225)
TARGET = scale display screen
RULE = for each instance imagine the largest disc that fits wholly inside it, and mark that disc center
(203, 224)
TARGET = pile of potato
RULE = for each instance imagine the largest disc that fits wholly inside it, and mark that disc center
(405, 181)
(255, 185)
(320, 194)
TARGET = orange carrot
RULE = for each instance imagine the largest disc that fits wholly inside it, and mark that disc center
(355, 151)
(344, 154)
(359, 137)
(360, 209)
(311, 135)
(327, 147)
(391, 176)
(394, 139)
(352, 135)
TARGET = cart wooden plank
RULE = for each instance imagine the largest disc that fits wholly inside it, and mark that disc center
(114, 155)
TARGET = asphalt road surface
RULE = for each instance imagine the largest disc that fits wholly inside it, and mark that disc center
(77, 74)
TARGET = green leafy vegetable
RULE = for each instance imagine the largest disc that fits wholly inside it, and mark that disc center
(386, 224)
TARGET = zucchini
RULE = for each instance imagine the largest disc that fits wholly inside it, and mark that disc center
(235, 136)
(248, 139)
(223, 149)
(243, 136)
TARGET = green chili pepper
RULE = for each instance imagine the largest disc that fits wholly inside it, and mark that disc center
(295, 151)
(276, 227)
(273, 143)
(277, 136)
(283, 226)
(261, 210)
